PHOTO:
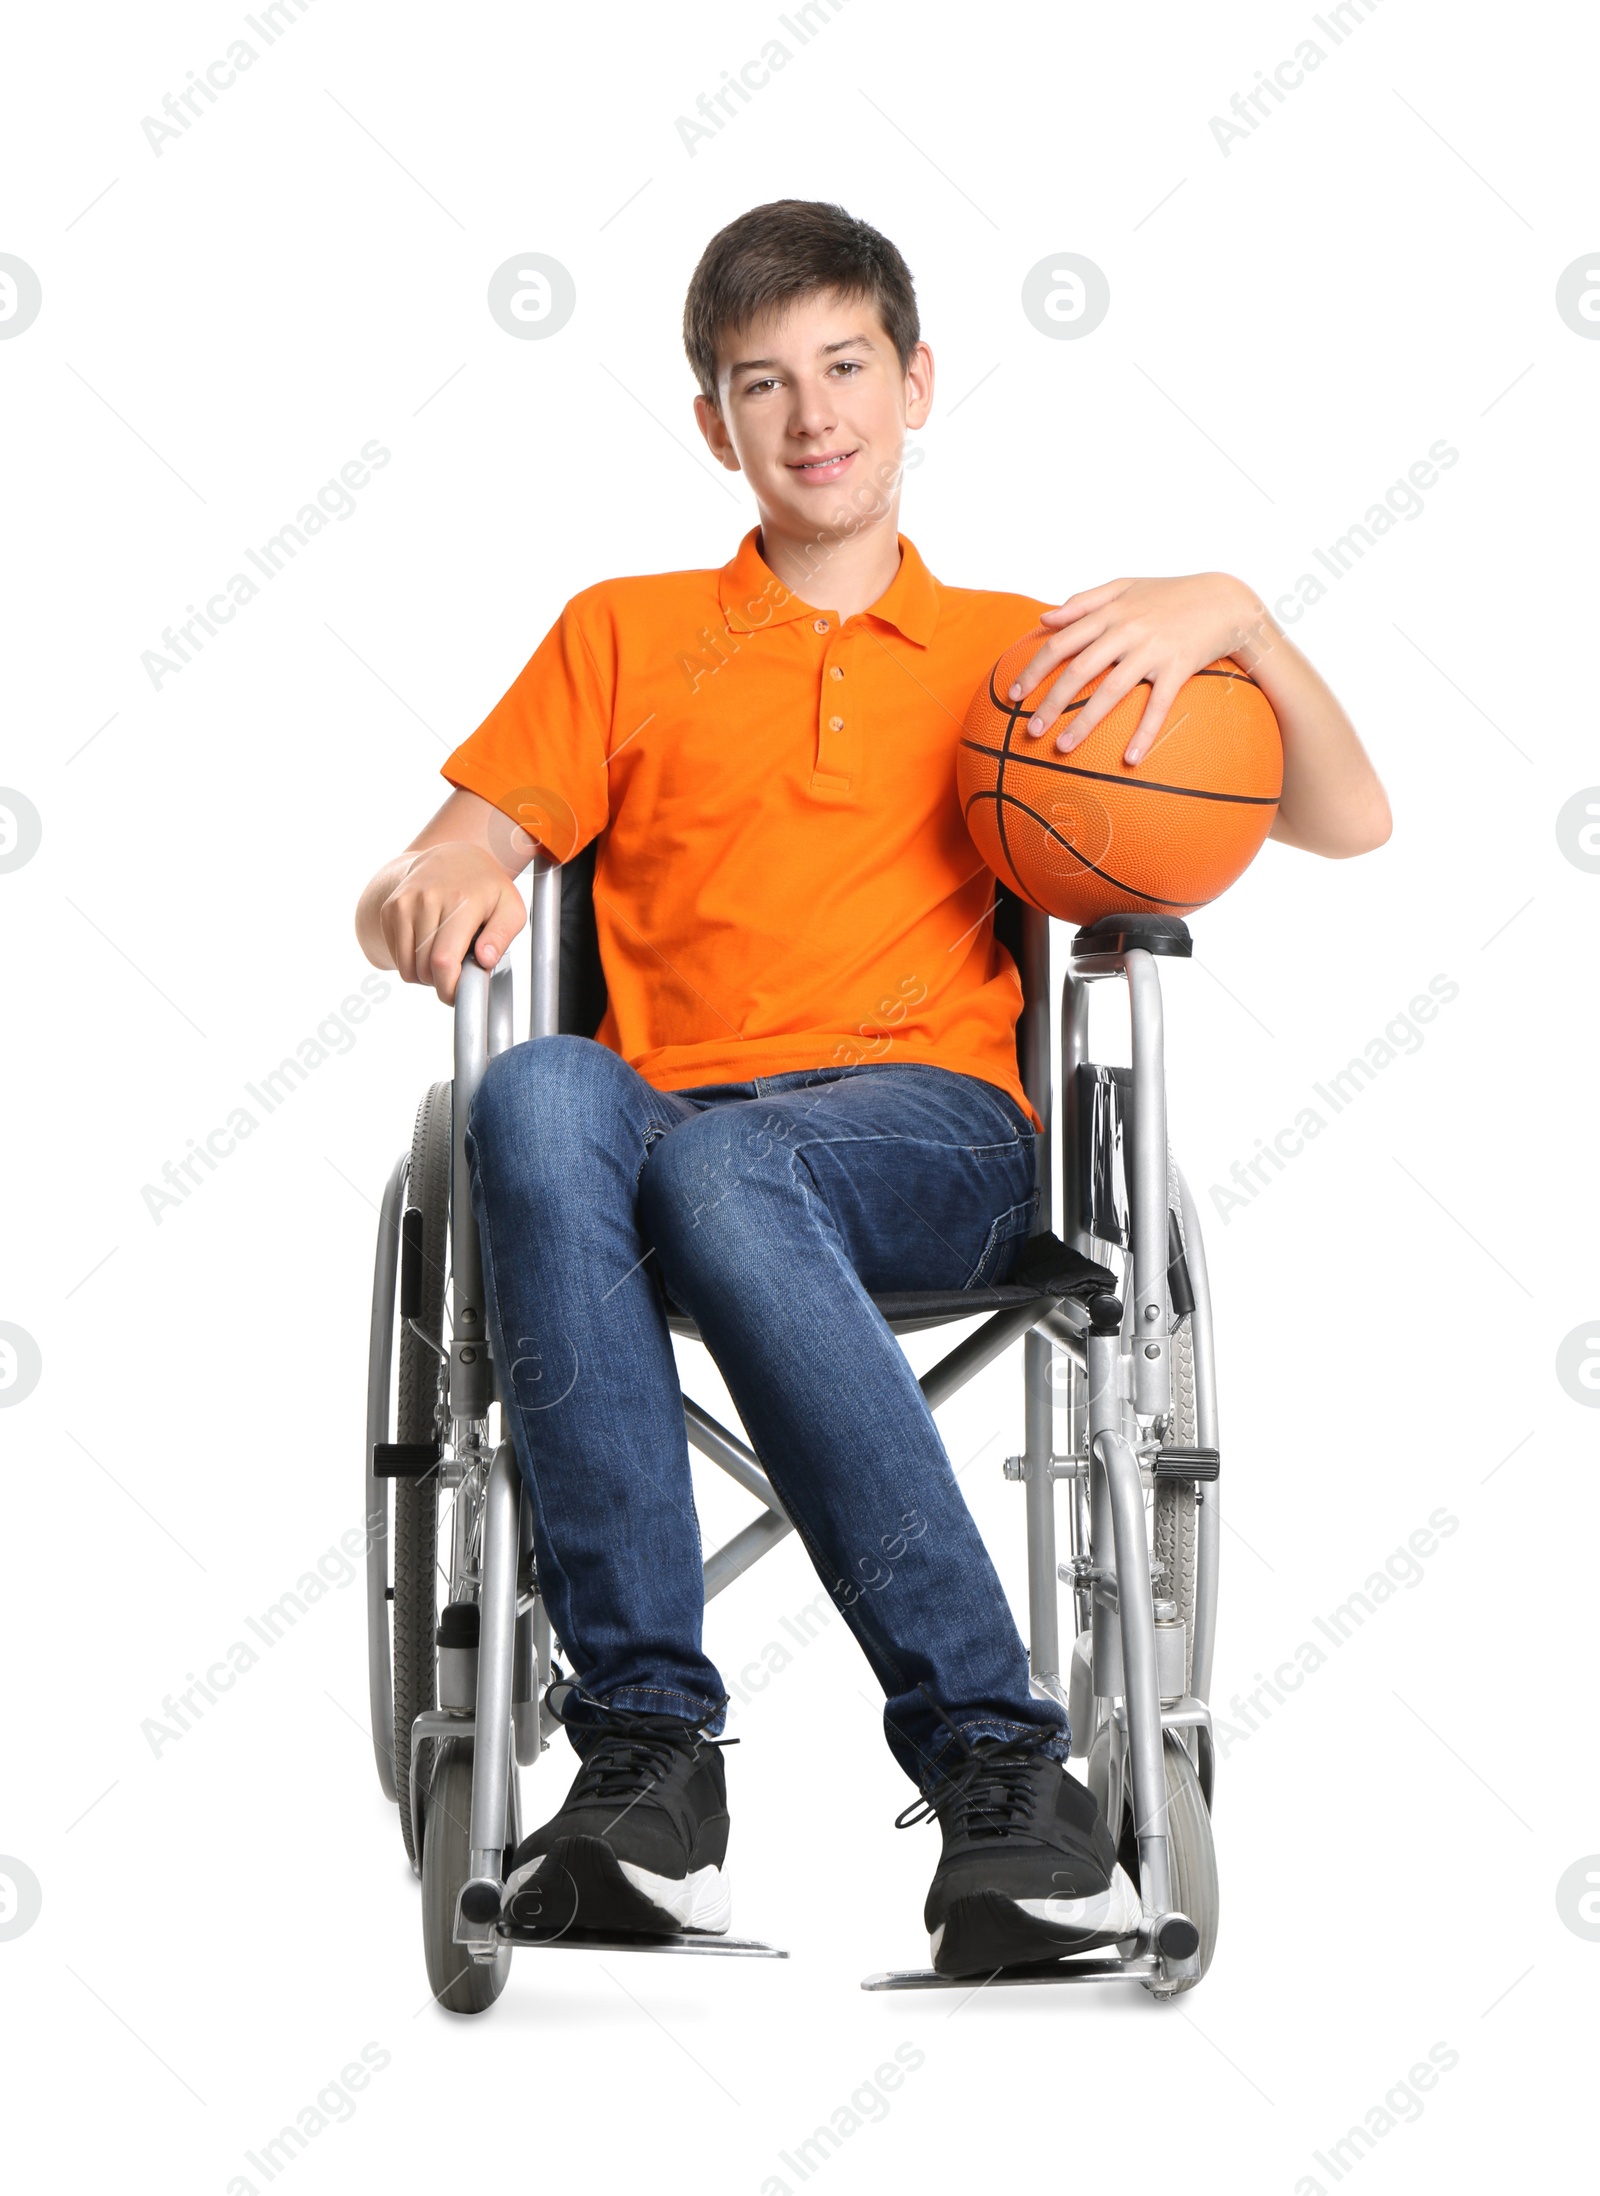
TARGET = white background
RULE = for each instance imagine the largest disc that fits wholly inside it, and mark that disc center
(1294, 324)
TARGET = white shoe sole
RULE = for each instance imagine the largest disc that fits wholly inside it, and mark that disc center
(1115, 1912)
(701, 1900)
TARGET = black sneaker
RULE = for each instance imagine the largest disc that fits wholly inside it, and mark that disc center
(639, 1842)
(1029, 1870)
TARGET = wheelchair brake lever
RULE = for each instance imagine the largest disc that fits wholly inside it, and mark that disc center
(422, 1335)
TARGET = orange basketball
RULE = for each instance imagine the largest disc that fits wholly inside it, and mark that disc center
(1082, 835)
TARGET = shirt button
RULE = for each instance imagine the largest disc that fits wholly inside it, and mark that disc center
(836, 724)
(821, 626)
(835, 671)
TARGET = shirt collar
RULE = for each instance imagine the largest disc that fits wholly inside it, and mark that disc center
(753, 596)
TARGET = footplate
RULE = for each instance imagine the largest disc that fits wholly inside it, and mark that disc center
(621, 1940)
(1143, 1967)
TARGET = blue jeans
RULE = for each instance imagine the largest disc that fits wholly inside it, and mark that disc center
(770, 1210)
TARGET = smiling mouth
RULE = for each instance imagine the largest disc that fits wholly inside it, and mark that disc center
(821, 464)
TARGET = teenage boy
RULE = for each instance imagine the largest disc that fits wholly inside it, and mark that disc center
(804, 1090)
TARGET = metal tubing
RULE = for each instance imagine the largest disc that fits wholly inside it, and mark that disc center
(1039, 1487)
(735, 1557)
(1208, 1536)
(1147, 1191)
(1141, 1687)
(502, 994)
(380, 1365)
(1103, 1403)
(471, 1380)
(544, 920)
(497, 1626)
(1044, 1624)
(1064, 1334)
(715, 1441)
(970, 1356)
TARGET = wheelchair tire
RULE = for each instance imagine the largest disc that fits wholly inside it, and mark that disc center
(1191, 1854)
(416, 1501)
(459, 1983)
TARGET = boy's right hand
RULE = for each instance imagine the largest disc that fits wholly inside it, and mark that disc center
(446, 897)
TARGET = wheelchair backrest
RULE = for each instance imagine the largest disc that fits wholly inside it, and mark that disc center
(583, 980)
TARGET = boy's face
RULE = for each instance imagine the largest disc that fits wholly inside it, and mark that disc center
(814, 410)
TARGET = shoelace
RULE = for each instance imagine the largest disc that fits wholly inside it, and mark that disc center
(983, 1798)
(633, 1752)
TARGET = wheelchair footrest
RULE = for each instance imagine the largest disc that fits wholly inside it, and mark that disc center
(625, 1940)
(1141, 1968)
(405, 1459)
(1188, 1463)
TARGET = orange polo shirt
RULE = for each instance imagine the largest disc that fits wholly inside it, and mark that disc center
(784, 879)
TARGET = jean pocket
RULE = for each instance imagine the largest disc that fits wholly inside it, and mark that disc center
(1017, 1127)
(1004, 1244)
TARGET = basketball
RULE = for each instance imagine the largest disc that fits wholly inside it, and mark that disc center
(1083, 835)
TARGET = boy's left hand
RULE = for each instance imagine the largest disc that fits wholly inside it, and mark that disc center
(1163, 630)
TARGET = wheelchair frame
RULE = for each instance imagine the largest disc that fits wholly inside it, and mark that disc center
(1125, 1689)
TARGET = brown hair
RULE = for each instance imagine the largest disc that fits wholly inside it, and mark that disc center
(789, 249)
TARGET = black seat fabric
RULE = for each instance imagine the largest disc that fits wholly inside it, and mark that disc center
(1008, 930)
(1046, 1268)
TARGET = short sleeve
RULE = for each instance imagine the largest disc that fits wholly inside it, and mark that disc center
(540, 754)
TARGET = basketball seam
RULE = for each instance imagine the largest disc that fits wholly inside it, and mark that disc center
(1011, 712)
(999, 780)
(1153, 899)
(1020, 708)
(1111, 777)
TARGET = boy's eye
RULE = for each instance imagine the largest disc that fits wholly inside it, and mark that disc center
(848, 366)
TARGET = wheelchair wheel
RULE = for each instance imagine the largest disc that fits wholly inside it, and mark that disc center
(459, 1983)
(1191, 1854)
(416, 1501)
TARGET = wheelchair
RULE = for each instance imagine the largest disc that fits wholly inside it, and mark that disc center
(1115, 1321)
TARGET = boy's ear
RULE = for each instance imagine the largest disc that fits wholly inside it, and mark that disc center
(712, 425)
(919, 385)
